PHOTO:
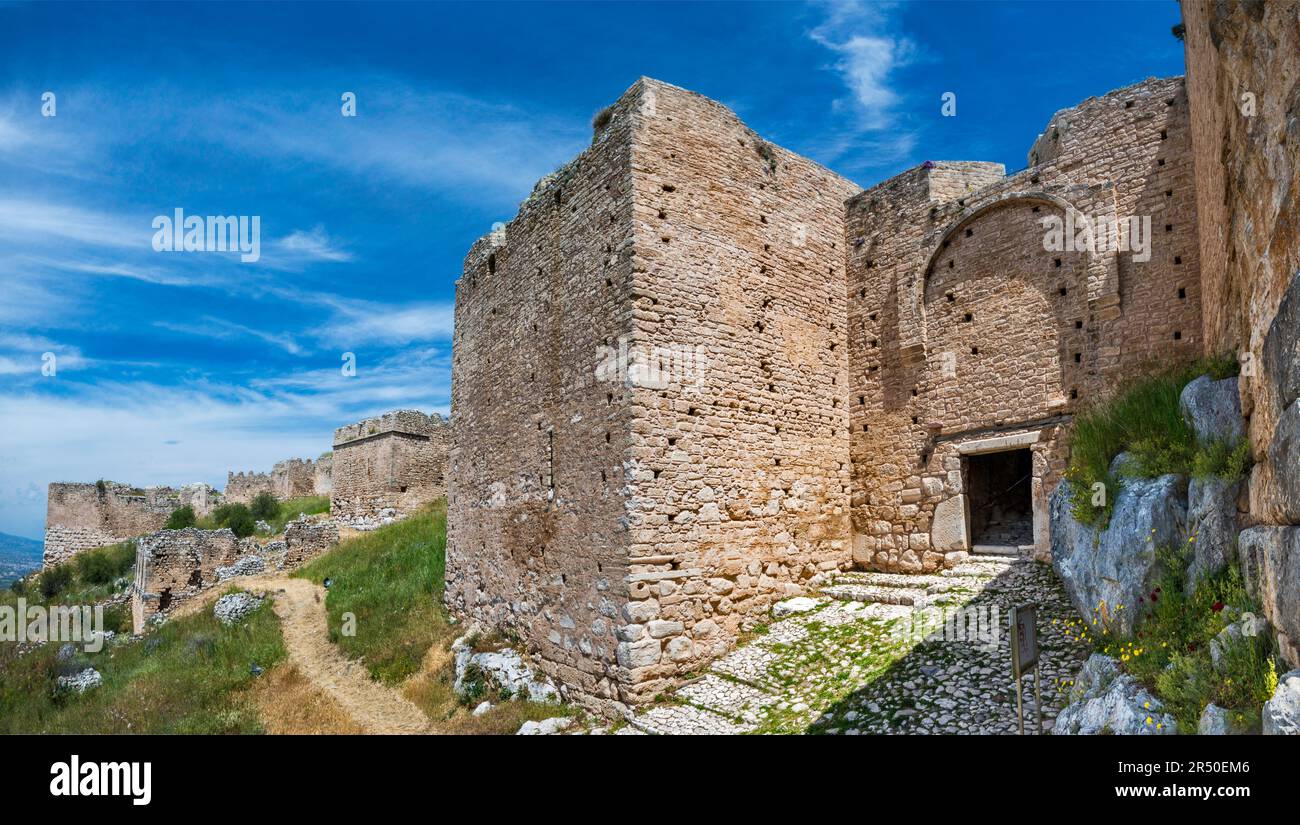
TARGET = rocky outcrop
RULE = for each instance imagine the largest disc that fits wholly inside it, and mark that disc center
(1282, 712)
(546, 727)
(1270, 567)
(1213, 409)
(1110, 568)
(1213, 520)
(80, 682)
(500, 671)
(1106, 701)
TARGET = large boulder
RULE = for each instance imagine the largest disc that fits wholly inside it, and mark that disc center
(1282, 712)
(1106, 701)
(1270, 567)
(1212, 520)
(1213, 409)
(1112, 569)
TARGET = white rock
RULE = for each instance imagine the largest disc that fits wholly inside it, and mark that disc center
(483, 708)
(789, 607)
(546, 727)
(1282, 712)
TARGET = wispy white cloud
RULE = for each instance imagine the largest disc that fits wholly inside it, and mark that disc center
(219, 328)
(359, 322)
(314, 245)
(869, 47)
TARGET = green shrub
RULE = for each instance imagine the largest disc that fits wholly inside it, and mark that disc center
(180, 518)
(104, 565)
(265, 506)
(55, 580)
(1143, 419)
(237, 517)
(1223, 459)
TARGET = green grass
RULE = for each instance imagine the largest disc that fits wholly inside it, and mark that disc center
(291, 508)
(391, 580)
(188, 676)
(1170, 652)
(1143, 419)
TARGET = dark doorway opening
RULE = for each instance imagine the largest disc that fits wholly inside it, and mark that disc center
(1001, 503)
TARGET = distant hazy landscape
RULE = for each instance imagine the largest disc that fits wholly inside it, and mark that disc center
(18, 557)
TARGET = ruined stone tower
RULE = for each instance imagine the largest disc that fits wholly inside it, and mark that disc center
(698, 373)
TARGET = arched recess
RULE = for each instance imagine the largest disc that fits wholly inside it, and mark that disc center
(1000, 313)
(1102, 282)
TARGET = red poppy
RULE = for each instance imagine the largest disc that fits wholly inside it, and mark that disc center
(1155, 596)
(1217, 606)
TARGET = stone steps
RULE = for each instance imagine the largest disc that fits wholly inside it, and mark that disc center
(913, 597)
(928, 583)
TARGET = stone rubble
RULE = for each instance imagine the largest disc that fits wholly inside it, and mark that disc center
(82, 681)
(233, 608)
(502, 670)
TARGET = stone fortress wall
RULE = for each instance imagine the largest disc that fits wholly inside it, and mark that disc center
(968, 336)
(862, 357)
(648, 377)
(1243, 75)
(388, 466)
(291, 478)
(81, 516)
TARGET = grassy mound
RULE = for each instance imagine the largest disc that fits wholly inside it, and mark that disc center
(391, 581)
(1143, 419)
(189, 676)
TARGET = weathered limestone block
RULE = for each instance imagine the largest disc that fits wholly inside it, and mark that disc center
(1275, 483)
(1212, 519)
(1270, 566)
(1105, 701)
(1213, 409)
(948, 530)
(1282, 712)
(1102, 570)
(233, 608)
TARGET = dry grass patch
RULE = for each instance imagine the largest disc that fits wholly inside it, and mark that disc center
(289, 704)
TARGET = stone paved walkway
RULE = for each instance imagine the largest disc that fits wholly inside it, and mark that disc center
(862, 663)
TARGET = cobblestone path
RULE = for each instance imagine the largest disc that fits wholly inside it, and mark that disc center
(862, 663)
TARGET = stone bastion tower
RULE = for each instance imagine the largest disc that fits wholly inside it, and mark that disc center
(698, 373)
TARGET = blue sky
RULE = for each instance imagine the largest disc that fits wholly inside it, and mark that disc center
(176, 367)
